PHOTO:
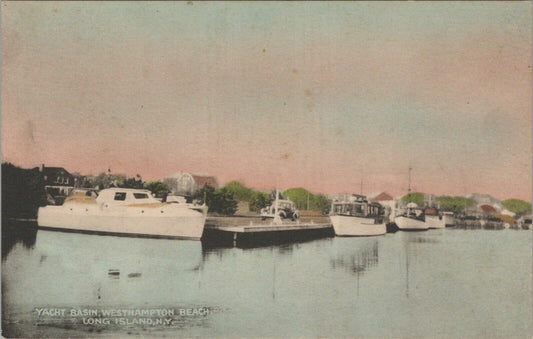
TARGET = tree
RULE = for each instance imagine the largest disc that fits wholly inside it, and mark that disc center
(134, 182)
(417, 198)
(520, 207)
(320, 203)
(158, 188)
(224, 202)
(299, 196)
(258, 201)
(22, 191)
(218, 200)
(239, 191)
(454, 204)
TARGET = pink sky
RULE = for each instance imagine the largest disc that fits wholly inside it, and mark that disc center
(317, 95)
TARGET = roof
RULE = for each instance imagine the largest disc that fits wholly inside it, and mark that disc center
(205, 180)
(54, 170)
(383, 196)
(487, 208)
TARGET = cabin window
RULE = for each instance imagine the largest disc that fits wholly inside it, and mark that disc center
(347, 209)
(120, 196)
(140, 195)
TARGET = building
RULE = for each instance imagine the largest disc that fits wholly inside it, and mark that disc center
(391, 205)
(58, 183)
(183, 183)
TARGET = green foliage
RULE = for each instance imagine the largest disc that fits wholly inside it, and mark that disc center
(303, 199)
(133, 182)
(22, 191)
(517, 206)
(223, 201)
(219, 200)
(258, 200)
(320, 203)
(239, 191)
(454, 204)
(417, 198)
(158, 188)
(298, 196)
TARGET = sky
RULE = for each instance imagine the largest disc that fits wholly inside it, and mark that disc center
(329, 96)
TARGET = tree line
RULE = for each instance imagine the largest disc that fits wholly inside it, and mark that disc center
(23, 193)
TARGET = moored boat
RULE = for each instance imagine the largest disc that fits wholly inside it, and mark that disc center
(433, 218)
(412, 219)
(357, 217)
(449, 219)
(124, 211)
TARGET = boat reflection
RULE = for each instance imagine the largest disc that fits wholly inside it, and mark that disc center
(356, 256)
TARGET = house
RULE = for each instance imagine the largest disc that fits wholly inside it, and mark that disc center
(58, 183)
(183, 183)
(386, 200)
(383, 196)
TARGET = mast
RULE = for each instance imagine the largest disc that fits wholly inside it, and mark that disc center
(409, 181)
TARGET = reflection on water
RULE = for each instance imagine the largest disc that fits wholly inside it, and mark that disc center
(14, 232)
(406, 284)
(360, 257)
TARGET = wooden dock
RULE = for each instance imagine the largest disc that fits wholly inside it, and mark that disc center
(255, 233)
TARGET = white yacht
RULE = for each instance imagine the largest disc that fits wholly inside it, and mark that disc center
(357, 217)
(434, 218)
(123, 211)
(411, 219)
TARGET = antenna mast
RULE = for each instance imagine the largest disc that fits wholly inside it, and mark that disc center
(409, 182)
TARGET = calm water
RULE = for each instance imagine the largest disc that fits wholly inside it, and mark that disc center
(439, 283)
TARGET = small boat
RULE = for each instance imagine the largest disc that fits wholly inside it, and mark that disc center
(357, 217)
(525, 222)
(433, 218)
(412, 219)
(449, 219)
(122, 211)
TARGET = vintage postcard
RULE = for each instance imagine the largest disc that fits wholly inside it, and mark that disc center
(266, 169)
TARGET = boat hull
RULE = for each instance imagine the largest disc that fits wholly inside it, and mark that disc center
(410, 224)
(449, 220)
(168, 221)
(434, 221)
(348, 226)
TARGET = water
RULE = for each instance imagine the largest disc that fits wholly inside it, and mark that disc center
(439, 283)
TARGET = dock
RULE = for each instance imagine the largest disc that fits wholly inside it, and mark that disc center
(247, 233)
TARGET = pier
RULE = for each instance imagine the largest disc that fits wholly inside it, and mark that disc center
(254, 232)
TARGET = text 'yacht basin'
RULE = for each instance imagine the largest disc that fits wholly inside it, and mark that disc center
(125, 211)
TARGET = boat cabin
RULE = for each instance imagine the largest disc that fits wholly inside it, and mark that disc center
(126, 196)
(414, 212)
(359, 208)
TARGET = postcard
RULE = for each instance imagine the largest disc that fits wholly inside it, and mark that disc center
(266, 169)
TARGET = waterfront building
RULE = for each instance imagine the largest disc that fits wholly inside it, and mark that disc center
(183, 183)
(58, 183)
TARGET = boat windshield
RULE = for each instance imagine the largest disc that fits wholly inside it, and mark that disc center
(355, 209)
